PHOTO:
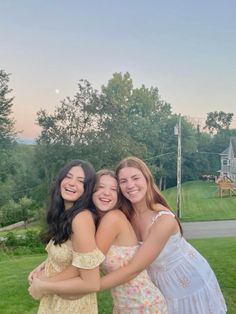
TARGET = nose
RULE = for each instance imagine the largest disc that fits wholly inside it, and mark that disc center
(71, 181)
(106, 191)
(129, 184)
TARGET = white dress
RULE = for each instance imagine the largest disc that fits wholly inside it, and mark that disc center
(185, 278)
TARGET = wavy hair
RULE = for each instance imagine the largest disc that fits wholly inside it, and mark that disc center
(111, 173)
(58, 219)
(153, 195)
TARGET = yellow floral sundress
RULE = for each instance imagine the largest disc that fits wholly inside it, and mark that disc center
(59, 257)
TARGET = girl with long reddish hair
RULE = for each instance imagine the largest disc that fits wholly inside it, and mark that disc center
(182, 274)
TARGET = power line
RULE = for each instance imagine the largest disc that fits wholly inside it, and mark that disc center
(25, 190)
(170, 153)
(209, 153)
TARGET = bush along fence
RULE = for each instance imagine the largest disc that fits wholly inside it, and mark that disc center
(31, 239)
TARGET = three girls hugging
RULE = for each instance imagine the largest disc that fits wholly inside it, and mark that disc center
(119, 223)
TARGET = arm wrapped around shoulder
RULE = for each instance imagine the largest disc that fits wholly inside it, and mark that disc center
(88, 260)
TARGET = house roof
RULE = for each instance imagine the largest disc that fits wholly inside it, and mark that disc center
(233, 142)
(225, 152)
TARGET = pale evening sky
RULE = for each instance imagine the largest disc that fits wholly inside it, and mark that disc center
(186, 48)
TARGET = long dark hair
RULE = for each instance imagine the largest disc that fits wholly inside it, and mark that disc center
(153, 195)
(58, 219)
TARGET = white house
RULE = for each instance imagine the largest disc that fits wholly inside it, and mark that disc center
(228, 161)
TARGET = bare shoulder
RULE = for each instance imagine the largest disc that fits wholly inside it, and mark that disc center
(165, 221)
(83, 232)
(160, 207)
(114, 215)
(84, 217)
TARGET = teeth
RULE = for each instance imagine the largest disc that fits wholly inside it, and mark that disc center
(104, 200)
(132, 193)
(69, 190)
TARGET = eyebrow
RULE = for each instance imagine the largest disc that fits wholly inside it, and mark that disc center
(134, 175)
(81, 178)
(76, 177)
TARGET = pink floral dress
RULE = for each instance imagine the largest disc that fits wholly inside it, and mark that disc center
(139, 295)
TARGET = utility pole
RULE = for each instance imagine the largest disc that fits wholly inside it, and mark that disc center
(178, 195)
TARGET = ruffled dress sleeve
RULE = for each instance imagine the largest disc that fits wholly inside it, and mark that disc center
(88, 260)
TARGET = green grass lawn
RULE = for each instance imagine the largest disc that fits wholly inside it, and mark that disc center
(220, 252)
(200, 201)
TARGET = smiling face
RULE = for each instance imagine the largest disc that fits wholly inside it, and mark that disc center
(72, 186)
(105, 195)
(133, 185)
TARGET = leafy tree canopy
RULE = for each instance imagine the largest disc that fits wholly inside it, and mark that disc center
(6, 121)
(217, 121)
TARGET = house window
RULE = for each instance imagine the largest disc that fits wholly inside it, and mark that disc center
(226, 162)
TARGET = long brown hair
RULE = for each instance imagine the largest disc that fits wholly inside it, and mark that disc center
(153, 195)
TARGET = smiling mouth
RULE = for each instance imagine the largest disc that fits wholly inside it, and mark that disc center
(132, 193)
(70, 190)
(105, 200)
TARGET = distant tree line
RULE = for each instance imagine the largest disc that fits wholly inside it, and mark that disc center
(103, 127)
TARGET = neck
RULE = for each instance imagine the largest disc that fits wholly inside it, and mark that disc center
(140, 208)
(67, 205)
(100, 213)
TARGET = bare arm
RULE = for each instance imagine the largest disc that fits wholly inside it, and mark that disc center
(67, 273)
(146, 254)
(108, 230)
(83, 241)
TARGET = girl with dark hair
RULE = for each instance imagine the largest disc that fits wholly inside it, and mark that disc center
(182, 274)
(116, 239)
(71, 245)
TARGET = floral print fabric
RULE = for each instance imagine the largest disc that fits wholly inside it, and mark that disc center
(139, 295)
(59, 257)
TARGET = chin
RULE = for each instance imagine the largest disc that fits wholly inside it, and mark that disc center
(136, 201)
(105, 210)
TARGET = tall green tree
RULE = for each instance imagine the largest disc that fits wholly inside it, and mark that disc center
(217, 121)
(115, 139)
(137, 122)
(73, 120)
(66, 134)
(7, 132)
(150, 116)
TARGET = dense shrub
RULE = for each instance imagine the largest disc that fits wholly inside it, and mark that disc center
(10, 213)
(13, 212)
(30, 239)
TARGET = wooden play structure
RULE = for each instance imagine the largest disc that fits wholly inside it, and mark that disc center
(225, 186)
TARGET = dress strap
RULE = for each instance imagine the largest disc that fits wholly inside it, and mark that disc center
(160, 213)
